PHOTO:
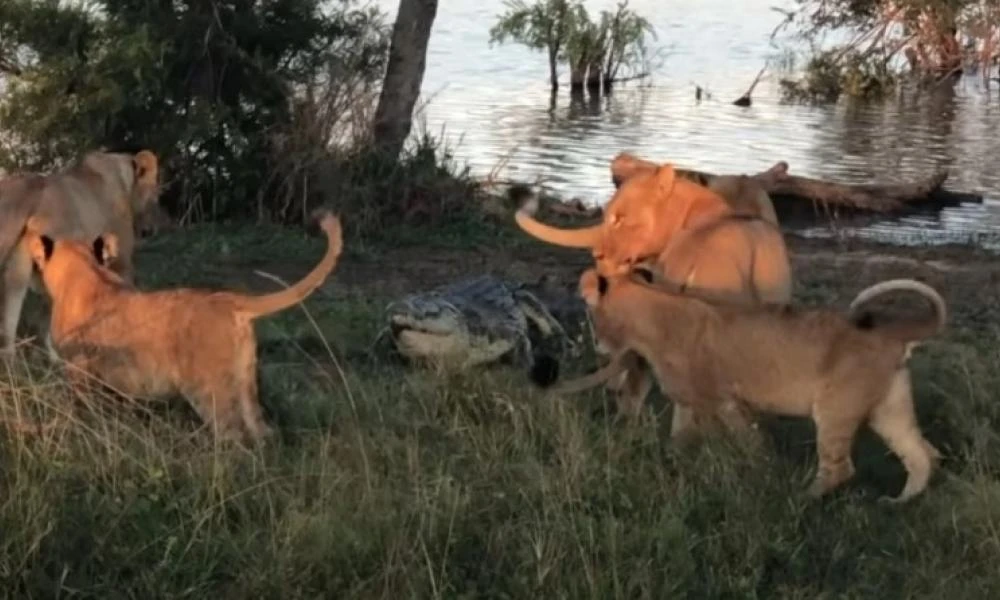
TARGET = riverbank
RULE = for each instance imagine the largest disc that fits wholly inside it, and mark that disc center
(397, 482)
(826, 270)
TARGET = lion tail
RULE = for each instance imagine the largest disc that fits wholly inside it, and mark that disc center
(16, 211)
(545, 374)
(910, 330)
(258, 306)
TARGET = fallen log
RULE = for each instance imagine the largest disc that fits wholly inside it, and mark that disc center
(881, 198)
(790, 191)
(796, 197)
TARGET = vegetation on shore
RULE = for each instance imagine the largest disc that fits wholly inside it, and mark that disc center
(866, 50)
(391, 481)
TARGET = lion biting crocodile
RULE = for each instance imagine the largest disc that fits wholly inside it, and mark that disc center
(482, 320)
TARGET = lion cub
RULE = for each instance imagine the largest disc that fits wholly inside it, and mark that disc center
(817, 363)
(196, 343)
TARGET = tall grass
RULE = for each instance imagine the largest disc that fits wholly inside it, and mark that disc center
(390, 482)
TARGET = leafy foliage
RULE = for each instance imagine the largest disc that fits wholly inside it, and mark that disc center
(596, 49)
(828, 75)
(920, 40)
(215, 88)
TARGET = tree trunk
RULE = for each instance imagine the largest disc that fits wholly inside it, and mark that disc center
(404, 74)
(577, 75)
(553, 72)
(595, 75)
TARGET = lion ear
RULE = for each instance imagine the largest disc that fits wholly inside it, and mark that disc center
(666, 177)
(625, 166)
(34, 225)
(40, 246)
(644, 272)
(592, 287)
(105, 248)
(146, 167)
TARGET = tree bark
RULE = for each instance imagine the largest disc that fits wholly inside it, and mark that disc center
(595, 75)
(577, 75)
(553, 69)
(404, 74)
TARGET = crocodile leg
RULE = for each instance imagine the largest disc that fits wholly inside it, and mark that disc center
(537, 312)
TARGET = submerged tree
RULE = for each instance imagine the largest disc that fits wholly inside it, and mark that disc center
(543, 25)
(625, 42)
(596, 51)
(888, 40)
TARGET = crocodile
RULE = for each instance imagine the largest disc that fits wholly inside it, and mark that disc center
(483, 320)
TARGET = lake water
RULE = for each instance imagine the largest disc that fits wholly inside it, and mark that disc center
(493, 106)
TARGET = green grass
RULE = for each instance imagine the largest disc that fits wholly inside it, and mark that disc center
(393, 482)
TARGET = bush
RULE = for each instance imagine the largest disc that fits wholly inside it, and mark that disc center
(833, 73)
(248, 104)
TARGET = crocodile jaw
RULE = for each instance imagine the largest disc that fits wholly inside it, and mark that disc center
(454, 348)
(444, 340)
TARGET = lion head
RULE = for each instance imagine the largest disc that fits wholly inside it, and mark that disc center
(647, 209)
(146, 186)
(594, 289)
(60, 259)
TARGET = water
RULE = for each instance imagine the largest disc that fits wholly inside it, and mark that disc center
(493, 106)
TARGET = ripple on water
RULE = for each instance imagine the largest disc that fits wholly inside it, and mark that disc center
(495, 106)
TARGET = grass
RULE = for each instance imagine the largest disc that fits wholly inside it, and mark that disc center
(396, 482)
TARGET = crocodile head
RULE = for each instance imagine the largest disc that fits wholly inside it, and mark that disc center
(467, 323)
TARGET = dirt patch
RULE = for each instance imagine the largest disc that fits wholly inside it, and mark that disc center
(825, 272)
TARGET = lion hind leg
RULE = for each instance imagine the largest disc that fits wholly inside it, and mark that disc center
(251, 411)
(16, 278)
(834, 440)
(895, 421)
(218, 407)
(771, 270)
(707, 267)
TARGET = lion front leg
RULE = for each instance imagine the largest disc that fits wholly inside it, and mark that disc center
(690, 406)
(16, 278)
(634, 387)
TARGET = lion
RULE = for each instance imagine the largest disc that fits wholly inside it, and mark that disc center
(688, 230)
(744, 194)
(839, 369)
(103, 192)
(695, 238)
(196, 343)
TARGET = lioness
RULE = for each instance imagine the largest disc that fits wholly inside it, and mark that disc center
(743, 193)
(196, 343)
(782, 360)
(697, 240)
(102, 192)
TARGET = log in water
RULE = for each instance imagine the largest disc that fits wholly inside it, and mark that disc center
(882, 198)
(798, 197)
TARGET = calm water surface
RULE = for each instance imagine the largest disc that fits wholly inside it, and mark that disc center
(494, 107)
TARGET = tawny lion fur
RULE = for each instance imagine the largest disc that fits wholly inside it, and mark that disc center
(727, 248)
(816, 363)
(743, 194)
(196, 343)
(103, 192)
